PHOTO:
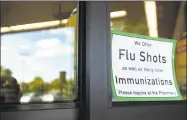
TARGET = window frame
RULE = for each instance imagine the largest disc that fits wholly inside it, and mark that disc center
(7, 107)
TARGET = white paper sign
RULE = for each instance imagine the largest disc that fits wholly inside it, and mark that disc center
(143, 68)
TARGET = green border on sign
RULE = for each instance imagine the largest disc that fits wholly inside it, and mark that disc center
(117, 98)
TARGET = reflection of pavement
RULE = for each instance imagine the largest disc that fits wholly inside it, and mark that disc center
(31, 97)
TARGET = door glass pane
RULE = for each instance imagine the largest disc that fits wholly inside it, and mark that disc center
(38, 52)
(153, 19)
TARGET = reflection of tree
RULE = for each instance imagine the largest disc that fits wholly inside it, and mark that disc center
(37, 85)
(25, 87)
(71, 84)
(6, 72)
(55, 84)
(127, 25)
(2, 70)
(47, 87)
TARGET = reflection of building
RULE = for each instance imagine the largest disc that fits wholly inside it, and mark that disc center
(9, 89)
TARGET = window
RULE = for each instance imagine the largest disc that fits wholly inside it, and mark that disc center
(153, 19)
(38, 56)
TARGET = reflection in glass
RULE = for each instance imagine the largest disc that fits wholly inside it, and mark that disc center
(132, 23)
(38, 66)
(180, 64)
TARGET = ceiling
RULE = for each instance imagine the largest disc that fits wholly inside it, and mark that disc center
(22, 12)
(166, 14)
(14, 13)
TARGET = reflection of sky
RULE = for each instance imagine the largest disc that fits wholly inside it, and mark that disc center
(39, 53)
